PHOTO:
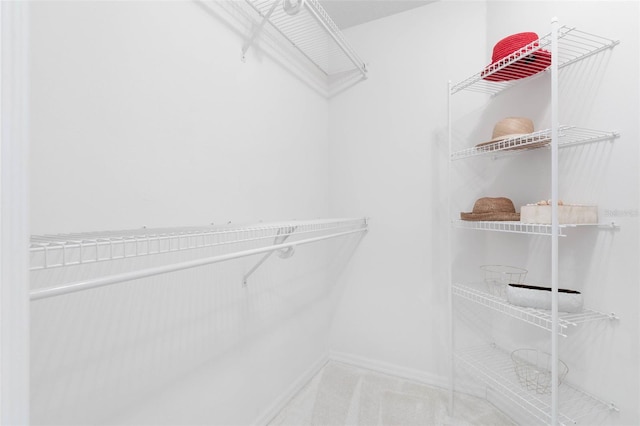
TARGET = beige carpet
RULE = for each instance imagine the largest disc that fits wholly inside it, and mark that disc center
(341, 394)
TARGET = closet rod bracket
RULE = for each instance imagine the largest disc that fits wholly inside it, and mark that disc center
(257, 30)
(285, 253)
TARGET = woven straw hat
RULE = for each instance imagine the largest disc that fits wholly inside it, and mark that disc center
(514, 127)
(487, 208)
(510, 48)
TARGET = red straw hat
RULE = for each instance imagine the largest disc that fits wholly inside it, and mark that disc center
(516, 47)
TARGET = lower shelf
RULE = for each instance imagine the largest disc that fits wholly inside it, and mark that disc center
(477, 292)
(493, 366)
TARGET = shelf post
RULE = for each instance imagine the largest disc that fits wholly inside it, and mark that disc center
(555, 227)
(449, 251)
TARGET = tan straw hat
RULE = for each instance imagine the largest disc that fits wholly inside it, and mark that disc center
(488, 208)
(515, 127)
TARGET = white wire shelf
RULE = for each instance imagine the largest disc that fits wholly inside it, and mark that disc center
(567, 136)
(95, 247)
(477, 292)
(508, 226)
(526, 228)
(52, 251)
(313, 33)
(573, 45)
(493, 366)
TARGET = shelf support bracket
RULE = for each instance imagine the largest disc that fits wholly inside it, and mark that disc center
(281, 237)
(257, 30)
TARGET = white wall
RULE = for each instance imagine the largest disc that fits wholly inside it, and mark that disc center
(143, 114)
(14, 223)
(389, 161)
(387, 143)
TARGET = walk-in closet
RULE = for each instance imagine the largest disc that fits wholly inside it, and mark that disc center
(320, 212)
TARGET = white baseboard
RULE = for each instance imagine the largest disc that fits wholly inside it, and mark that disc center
(283, 399)
(391, 369)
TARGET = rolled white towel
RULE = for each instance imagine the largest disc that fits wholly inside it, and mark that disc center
(540, 298)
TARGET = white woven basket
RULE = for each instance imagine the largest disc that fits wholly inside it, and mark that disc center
(497, 277)
(533, 369)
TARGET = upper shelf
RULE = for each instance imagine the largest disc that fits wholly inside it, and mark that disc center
(567, 136)
(51, 251)
(206, 245)
(313, 33)
(573, 45)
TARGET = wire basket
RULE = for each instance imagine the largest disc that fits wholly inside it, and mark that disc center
(497, 277)
(533, 369)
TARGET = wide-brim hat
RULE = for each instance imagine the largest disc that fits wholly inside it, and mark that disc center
(520, 128)
(488, 208)
(518, 48)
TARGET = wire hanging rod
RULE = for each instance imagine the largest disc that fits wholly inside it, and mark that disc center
(149, 272)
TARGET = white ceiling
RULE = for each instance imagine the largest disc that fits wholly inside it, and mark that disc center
(347, 13)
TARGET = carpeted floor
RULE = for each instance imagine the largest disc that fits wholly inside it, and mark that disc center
(341, 394)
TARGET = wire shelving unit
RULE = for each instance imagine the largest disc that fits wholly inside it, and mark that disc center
(476, 292)
(494, 367)
(573, 45)
(312, 33)
(562, 46)
(230, 242)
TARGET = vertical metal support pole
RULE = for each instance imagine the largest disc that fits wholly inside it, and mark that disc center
(638, 20)
(554, 221)
(450, 253)
(14, 230)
